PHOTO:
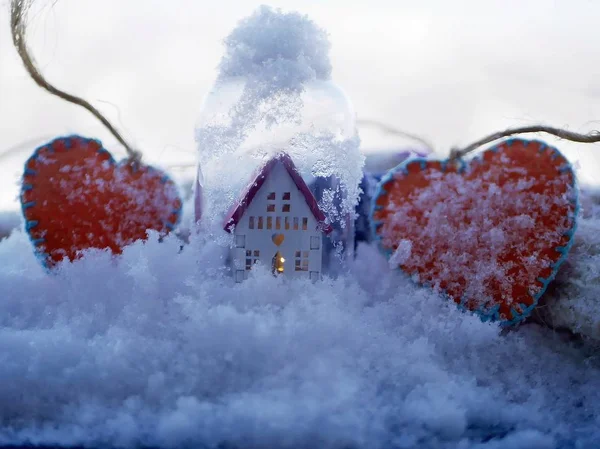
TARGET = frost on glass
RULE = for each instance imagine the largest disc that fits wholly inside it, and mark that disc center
(274, 93)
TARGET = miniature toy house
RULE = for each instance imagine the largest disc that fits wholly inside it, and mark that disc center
(278, 223)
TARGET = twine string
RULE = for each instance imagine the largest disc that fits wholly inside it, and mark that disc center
(591, 137)
(18, 19)
(398, 132)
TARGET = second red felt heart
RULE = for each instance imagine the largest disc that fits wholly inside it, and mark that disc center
(490, 233)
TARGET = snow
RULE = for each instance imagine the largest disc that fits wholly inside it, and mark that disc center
(270, 40)
(160, 348)
(8, 221)
(401, 254)
(572, 303)
(274, 92)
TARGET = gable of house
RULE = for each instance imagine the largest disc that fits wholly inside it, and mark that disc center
(279, 165)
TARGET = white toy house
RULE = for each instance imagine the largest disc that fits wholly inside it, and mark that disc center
(277, 223)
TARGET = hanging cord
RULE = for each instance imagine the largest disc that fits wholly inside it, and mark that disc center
(18, 16)
(391, 130)
(592, 137)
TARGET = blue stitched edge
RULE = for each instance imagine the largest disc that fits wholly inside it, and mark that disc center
(42, 256)
(490, 314)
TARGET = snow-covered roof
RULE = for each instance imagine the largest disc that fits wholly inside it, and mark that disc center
(240, 207)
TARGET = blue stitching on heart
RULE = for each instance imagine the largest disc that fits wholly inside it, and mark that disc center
(68, 142)
(491, 314)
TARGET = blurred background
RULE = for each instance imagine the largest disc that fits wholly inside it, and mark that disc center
(450, 72)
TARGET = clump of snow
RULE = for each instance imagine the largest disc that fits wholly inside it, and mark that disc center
(274, 93)
(401, 254)
(574, 301)
(160, 348)
(288, 45)
(9, 220)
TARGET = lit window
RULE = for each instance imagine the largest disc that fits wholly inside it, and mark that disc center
(277, 223)
(256, 253)
(260, 222)
(278, 264)
(296, 221)
(270, 207)
(251, 223)
(286, 207)
(240, 241)
(315, 242)
(287, 223)
(304, 224)
(269, 222)
(286, 196)
(271, 196)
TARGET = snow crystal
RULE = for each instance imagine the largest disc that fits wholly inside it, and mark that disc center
(160, 348)
(274, 94)
(401, 254)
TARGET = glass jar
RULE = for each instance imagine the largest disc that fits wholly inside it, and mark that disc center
(240, 128)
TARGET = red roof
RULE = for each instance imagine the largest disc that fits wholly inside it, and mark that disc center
(238, 209)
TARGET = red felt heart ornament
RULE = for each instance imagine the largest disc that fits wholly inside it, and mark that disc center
(75, 197)
(490, 233)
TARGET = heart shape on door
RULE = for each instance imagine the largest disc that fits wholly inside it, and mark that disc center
(490, 233)
(278, 239)
(74, 196)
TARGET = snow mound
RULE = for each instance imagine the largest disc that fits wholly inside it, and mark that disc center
(159, 348)
(289, 46)
(9, 220)
(574, 301)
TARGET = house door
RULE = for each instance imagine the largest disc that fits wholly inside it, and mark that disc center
(278, 264)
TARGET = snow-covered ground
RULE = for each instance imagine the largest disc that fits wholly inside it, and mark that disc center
(160, 348)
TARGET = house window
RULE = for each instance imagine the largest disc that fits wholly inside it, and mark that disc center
(251, 223)
(287, 196)
(271, 207)
(296, 221)
(304, 223)
(240, 241)
(251, 258)
(260, 222)
(239, 275)
(269, 222)
(315, 242)
(277, 223)
(286, 207)
(301, 261)
(271, 196)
